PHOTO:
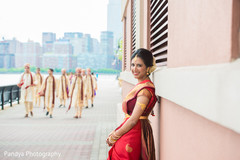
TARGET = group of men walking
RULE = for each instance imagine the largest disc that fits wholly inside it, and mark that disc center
(78, 88)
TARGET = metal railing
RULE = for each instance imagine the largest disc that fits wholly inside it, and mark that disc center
(9, 94)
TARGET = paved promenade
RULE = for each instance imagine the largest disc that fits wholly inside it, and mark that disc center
(61, 137)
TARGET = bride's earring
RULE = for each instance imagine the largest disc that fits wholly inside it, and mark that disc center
(148, 71)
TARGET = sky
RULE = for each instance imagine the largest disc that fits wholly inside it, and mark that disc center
(27, 19)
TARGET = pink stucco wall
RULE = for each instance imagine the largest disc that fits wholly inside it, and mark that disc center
(201, 32)
(188, 136)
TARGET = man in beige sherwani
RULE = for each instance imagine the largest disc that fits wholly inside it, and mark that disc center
(62, 88)
(83, 73)
(70, 77)
(89, 88)
(27, 89)
(38, 79)
(48, 91)
(76, 93)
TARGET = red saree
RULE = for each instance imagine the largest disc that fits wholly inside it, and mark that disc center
(137, 143)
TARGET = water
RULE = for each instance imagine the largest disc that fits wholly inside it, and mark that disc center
(13, 79)
(9, 79)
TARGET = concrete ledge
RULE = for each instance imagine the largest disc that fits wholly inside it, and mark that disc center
(212, 91)
(128, 77)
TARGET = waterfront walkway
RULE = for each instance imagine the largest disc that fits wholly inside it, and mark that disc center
(61, 137)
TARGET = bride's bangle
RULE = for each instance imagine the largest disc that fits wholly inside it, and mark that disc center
(111, 140)
(115, 136)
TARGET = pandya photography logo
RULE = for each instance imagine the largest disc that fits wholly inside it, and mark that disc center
(32, 154)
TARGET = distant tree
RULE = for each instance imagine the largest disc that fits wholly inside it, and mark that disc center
(120, 49)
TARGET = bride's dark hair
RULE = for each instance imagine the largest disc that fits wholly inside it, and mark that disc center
(145, 55)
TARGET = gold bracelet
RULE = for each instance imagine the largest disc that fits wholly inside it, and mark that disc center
(115, 136)
(111, 140)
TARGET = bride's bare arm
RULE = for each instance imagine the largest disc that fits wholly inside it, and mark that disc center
(141, 103)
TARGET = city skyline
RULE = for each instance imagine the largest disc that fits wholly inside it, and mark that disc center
(26, 19)
(68, 48)
(58, 38)
(73, 50)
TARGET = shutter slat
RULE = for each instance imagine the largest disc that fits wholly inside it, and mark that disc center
(159, 44)
(160, 13)
(159, 31)
(160, 28)
(160, 51)
(162, 63)
(154, 4)
(133, 34)
(164, 56)
(159, 36)
(157, 10)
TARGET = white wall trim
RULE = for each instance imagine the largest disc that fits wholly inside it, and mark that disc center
(128, 77)
(212, 91)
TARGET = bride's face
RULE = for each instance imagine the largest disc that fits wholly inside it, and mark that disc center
(138, 68)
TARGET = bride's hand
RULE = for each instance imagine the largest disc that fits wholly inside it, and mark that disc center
(107, 140)
(112, 138)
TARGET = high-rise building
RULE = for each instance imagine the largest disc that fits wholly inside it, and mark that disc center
(72, 35)
(4, 47)
(61, 56)
(15, 48)
(96, 46)
(106, 44)
(87, 43)
(95, 61)
(76, 40)
(77, 44)
(52, 60)
(48, 38)
(114, 23)
(6, 58)
(18, 53)
(31, 53)
(62, 47)
(82, 43)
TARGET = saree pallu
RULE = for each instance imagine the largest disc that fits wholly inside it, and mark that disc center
(133, 145)
(128, 146)
(138, 142)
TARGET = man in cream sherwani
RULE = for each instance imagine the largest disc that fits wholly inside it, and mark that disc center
(27, 89)
(48, 91)
(76, 93)
(89, 88)
(62, 88)
(83, 73)
(39, 80)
